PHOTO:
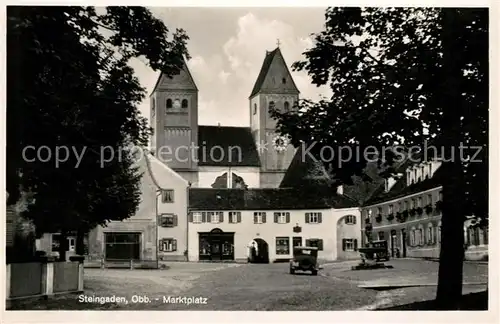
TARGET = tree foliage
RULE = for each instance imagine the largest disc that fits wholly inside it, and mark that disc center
(404, 76)
(70, 85)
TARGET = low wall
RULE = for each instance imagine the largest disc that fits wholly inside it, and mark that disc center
(427, 253)
(477, 253)
(472, 253)
(43, 279)
(120, 264)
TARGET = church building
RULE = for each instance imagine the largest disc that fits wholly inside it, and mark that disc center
(228, 157)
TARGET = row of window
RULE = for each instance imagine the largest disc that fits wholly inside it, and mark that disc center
(282, 244)
(477, 236)
(258, 217)
(430, 236)
(171, 220)
(272, 105)
(169, 104)
(418, 202)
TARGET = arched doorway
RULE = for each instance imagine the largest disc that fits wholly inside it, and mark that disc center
(258, 251)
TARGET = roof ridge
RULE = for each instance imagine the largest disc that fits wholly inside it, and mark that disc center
(183, 64)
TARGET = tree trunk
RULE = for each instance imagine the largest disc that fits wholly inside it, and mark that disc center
(63, 246)
(449, 292)
(80, 244)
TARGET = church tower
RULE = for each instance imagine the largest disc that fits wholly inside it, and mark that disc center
(274, 87)
(174, 119)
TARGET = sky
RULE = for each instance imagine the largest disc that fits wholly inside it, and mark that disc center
(227, 48)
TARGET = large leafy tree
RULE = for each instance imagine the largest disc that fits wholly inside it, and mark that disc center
(404, 76)
(72, 92)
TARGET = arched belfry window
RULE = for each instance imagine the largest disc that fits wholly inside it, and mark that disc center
(169, 103)
(271, 105)
(184, 103)
(254, 108)
(153, 108)
(287, 106)
(283, 80)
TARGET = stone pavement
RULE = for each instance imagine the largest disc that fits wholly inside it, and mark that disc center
(421, 276)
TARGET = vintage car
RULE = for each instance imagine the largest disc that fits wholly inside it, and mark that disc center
(304, 259)
(376, 251)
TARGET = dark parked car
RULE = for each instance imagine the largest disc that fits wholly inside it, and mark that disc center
(304, 259)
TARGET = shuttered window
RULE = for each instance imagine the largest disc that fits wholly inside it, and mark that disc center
(315, 243)
(167, 196)
(282, 217)
(314, 218)
(168, 220)
(349, 245)
(351, 219)
(259, 217)
(234, 217)
(168, 245)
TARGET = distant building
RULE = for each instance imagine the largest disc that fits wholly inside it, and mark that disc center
(406, 211)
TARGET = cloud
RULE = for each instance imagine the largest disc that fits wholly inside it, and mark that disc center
(226, 78)
(244, 53)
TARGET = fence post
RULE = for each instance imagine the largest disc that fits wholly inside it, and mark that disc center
(47, 277)
(80, 259)
(131, 264)
(7, 284)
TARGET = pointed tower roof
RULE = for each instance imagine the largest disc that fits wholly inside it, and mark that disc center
(182, 80)
(273, 57)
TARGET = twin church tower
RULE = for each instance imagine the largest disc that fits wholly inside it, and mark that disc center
(227, 156)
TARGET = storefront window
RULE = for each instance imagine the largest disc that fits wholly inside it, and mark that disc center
(282, 245)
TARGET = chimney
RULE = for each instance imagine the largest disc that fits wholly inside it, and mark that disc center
(218, 124)
(340, 190)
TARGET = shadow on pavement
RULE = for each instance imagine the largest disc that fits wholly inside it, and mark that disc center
(469, 302)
